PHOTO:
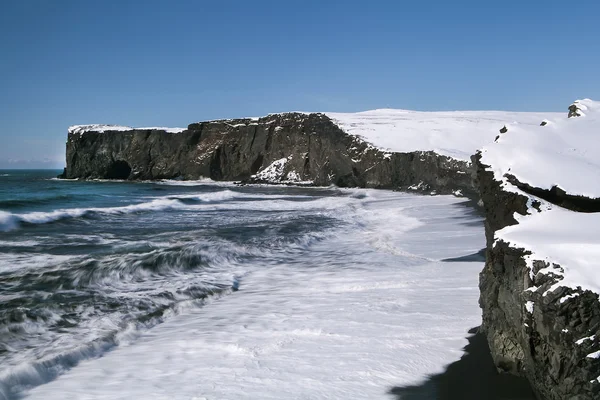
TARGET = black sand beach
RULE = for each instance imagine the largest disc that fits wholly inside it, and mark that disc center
(473, 377)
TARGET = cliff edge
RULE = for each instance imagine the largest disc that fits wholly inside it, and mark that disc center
(292, 148)
(394, 149)
(540, 284)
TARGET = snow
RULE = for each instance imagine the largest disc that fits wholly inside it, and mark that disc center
(293, 176)
(369, 308)
(581, 341)
(595, 354)
(81, 129)
(565, 152)
(529, 307)
(568, 297)
(564, 237)
(273, 172)
(457, 134)
(161, 128)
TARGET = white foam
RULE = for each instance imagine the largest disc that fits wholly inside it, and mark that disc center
(225, 195)
(341, 319)
(9, 221)
(26, 262)
(40, 217)
(198, 182)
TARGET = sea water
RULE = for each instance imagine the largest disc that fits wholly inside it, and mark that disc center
(205, 290)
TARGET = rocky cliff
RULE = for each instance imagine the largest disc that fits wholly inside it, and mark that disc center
(282, 148)
(541, 319)
(541, 310)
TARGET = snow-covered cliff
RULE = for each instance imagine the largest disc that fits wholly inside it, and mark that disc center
(537, 176)
(539, 289)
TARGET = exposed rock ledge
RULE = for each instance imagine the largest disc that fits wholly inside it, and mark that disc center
(281, 148)
(539, 286)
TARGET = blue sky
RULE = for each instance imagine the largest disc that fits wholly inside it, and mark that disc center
(170, 63)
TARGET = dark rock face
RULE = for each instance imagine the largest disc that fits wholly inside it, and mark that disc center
(316, 151)
(574, 110)
(540, 345)
(558, 196)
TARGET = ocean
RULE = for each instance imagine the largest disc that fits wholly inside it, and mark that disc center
(207, 290)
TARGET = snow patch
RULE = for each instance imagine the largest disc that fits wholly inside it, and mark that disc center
(273, 172)
(580, 341)
(559, 236)
(595, 354)
(529, 307)
(293, 176)
(420, 186)
(568, 297)
(100, 128)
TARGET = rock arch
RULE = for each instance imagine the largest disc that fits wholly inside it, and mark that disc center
(118, 170)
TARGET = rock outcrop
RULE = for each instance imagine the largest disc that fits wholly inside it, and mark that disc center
(279, 148)
(536, 328)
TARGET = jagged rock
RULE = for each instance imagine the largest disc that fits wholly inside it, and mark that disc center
(504, 129)
(544, 123)
(574, 110)
(316, 151)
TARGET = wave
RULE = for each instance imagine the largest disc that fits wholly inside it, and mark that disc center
(223, 195)
(118, 297)
(3, 175)
(199, 182)
(63, 179)
(34, 373)
(10, 221)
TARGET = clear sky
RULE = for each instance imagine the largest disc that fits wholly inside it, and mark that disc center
(170, 63)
